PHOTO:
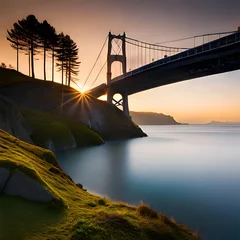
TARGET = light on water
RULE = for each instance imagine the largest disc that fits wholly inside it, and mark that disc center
(190, 172)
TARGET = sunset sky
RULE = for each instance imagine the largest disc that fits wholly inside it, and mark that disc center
(89, 21)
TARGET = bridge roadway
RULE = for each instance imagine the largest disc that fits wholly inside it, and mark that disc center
(218, 56)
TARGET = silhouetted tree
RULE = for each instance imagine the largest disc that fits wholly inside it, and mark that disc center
(16, 42)
(3, 65)
(67, 56)
(44, 33)
(60, 53)
(28, 30)
(53, 40)
(29, 36)
(73, 63)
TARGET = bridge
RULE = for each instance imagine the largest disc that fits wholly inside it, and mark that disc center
(174, 65)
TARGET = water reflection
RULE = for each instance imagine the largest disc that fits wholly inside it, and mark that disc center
(189, 172)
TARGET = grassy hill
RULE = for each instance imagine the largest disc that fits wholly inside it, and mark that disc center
(46, 96)
(81, 215)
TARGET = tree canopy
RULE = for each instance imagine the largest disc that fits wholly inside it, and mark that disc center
(33, 37)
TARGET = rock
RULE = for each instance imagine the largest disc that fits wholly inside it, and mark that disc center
(79, 185)
(12, 121)
(4, 173)
(23, 186)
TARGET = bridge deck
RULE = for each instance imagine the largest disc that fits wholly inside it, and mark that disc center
(221, 55)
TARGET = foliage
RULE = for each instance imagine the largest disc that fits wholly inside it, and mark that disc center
(31, 36)
(3, 65)
(67, 56)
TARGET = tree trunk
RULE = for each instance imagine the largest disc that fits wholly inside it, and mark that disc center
(44, 62)
(69, 74)
(29, 62)
(66, 77)
(62, 73)
(53, 64)
(32, 58)
(17, 57)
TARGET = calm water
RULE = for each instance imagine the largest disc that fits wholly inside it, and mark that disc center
(189, 172)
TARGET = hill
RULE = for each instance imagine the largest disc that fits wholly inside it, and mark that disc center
(48, 130)
(223, 123)
(151, 118)
(45, 96)
(59, 209)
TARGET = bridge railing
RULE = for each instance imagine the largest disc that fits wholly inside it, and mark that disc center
(212, 45)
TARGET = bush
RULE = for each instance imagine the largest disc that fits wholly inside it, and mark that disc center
(102, 202)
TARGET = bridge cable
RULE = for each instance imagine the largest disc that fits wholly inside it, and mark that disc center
(157, 47)
(95, 63)
(151, 44)
(182, 39)
(102, 68)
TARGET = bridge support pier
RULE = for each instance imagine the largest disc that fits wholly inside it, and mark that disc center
(125, 104)
(110, 59)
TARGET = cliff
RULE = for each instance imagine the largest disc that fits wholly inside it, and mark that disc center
(151, 118)
(50, 97)
(12, 120)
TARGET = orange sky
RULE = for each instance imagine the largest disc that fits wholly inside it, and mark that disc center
(89, 21)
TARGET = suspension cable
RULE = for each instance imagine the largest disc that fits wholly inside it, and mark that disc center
(151, 44)
(203, 35)
(157, 47)
(99, 73)
(94, 63)
(104, 66)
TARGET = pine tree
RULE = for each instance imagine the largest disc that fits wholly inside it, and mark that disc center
(44, 33)
(68, 58)
(29, 32)
(14, 36)
(53, 39)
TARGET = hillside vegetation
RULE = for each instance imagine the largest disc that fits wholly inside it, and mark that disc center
(81, 215)
(59, 131)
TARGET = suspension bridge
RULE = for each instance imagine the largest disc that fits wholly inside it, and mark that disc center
(146, 65)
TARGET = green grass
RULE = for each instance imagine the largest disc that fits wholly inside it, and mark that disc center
(85, 216)
(59, 129)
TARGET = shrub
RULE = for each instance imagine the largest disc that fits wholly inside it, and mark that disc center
(102, 202)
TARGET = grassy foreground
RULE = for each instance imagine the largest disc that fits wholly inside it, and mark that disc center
(82, 215)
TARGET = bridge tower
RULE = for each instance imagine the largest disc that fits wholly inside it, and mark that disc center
(110, 59)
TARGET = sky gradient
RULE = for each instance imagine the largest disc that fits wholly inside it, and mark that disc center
(89, 21)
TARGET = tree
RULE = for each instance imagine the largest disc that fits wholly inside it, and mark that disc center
(16, 42)
(67, 56)
(73, 63)
(44, 37)
(3, 65)
(28, 30)
(53, 40)
(60, 53)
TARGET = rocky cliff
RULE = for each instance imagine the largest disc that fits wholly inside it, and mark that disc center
(12, 121)
(151, 118)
